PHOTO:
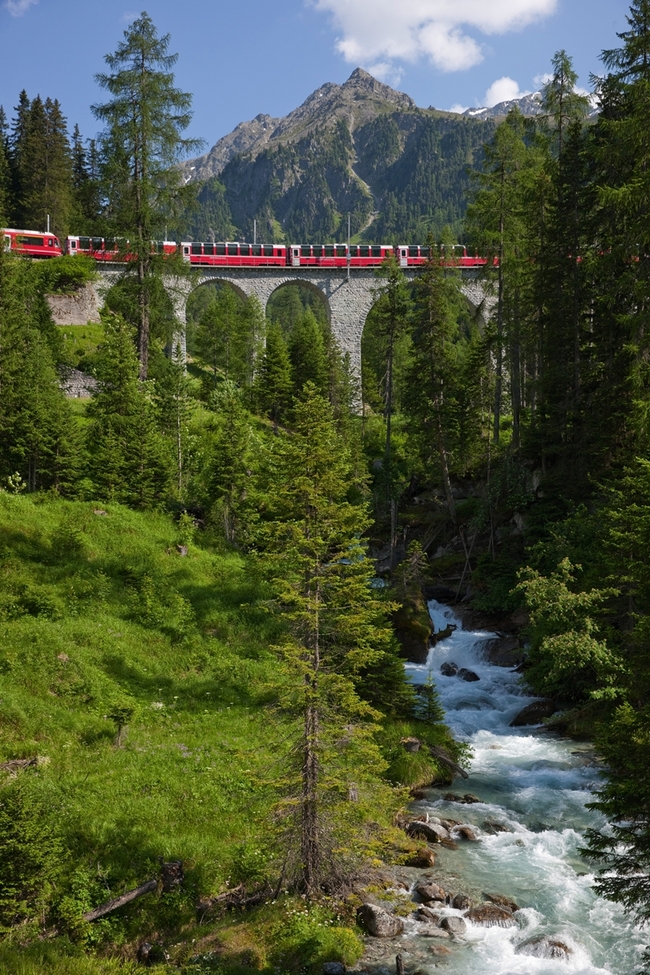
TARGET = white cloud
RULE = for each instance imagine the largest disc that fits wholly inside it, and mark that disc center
(18, 7)
(542, 79)
(406, 30)
(458, 109)
(386, 71)
(503, 90)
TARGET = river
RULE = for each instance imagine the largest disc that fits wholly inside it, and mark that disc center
(537, 785)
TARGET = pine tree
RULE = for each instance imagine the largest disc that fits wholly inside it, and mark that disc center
(336, 628)
(228, 336)
(308, 354)
(45, 169)
(144, 119)
(17, 138)
(85, 185)
(561, 103)
(230, 470)
(5, 170)
(128, 458)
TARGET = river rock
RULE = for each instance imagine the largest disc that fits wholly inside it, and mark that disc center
(466, 833)
(426, 914)
(432, 931)
(424, 857)
(467, 799)
(491, 915)
(544, 947)
(468, 675)
(439, 950)
(533, 714)
(461, 902)
(379, 922)
(428, 831)
(502, 901)
(448, 669)
(431, 892)
(492, 827)
(333, 968)
(455, 925)
(506, 651)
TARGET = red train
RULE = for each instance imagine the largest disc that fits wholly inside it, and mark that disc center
(236, 254)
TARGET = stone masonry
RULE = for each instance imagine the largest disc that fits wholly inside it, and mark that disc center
(347, 301)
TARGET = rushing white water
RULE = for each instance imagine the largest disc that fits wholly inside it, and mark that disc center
(537, 785)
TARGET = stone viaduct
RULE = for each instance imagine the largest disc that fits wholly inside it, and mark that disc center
(347, 300)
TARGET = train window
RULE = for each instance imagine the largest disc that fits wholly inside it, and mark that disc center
(208, 248)
(414, 250)
(318, 250)
(354, 251)
(84, 243)
(364, 251)
(31, 241)
(305, 250)
(340, 250)
(245, 250)
(425, 252)
(256, 250)
(268, 250)
(329, 250)
(220, 249)
(196, 248)
(110, 244)
(232, 250)
(376, 250)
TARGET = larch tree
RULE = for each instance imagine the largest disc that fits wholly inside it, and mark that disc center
(144, 119)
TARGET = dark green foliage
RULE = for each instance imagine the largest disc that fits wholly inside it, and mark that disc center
(128, 460)
(37, 435)
(274, 381)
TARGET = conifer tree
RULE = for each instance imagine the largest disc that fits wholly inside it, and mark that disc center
(45, 169)
(128, 458)
(145, 120)
(562, 104)
(336, 628)
(5, 171)
(17, 138)
(85, 186)
(37, 433)
(273, 383)
(308, 354)
(231, 468)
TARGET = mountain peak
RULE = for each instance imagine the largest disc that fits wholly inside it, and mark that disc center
(362, 80)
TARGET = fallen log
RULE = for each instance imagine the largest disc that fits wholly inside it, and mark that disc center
(443, 757)
(113, 905)
(17, 764)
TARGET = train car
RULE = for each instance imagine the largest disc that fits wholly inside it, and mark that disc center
(113, 249)
(318, 255)
(233, 254)
(414, 255)
(32, 243)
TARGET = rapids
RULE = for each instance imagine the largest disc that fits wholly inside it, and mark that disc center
(537, 785)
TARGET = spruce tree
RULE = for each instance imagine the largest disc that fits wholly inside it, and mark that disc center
(5, 170)
(145, 119)
(308, 354)
(273, 383)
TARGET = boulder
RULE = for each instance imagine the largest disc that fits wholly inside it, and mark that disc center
(454, 925)
(491, 915)
(505, 651)
(466, 833)
(461, 902)
(411, 744)
(544, 947)
(439, 950)
(431, 892)
(428, 831)
(492, 827)
(426, 914)
(334, 968)
(449, 669)
(442, 634)
(533, 713)
(502, 901)
(424, 857)
(468, 675)
(379, 922)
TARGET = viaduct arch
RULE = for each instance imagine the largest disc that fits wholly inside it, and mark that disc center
(348, 300)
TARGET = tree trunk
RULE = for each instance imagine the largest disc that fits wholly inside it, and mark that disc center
(113, 905)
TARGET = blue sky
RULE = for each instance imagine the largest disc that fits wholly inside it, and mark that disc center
(243, 57)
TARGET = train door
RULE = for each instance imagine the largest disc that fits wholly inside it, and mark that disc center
(72, 245)
(186, 252)
(295, 257)
(403, 257)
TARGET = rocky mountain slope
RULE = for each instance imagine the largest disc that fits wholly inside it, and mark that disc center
(360, 148)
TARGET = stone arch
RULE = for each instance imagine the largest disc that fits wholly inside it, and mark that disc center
(235, 285)
(308, 285)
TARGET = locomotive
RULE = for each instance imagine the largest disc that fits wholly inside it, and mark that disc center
(237, 254)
